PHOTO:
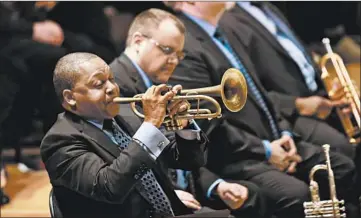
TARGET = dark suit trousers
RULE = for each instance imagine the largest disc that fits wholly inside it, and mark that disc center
(288, 192)
(319, 132)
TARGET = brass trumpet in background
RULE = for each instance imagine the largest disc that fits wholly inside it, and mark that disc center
(351, 124)
(328, 208)
(232, 90)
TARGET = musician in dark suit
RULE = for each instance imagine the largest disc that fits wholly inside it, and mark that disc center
(256, 144)
(154, 49)
(287, 71)
(95, 167)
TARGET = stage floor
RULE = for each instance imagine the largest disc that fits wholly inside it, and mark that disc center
(29, 194)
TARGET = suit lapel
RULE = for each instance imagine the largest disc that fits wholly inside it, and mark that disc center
(129, 123)
(204, 38)
(242, 14)
(133, 74)
(97, 135)
(127, 120)
(215, 52)
(243, 56)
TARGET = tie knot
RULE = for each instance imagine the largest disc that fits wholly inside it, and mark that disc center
(108, 125)
(218, 33)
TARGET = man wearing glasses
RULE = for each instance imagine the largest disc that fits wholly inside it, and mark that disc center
(153, 50)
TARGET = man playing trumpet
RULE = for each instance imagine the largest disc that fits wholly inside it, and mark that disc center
(96, 168)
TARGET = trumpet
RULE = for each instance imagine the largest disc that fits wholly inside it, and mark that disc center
(351, 124)
(232, 90)
(327, 208)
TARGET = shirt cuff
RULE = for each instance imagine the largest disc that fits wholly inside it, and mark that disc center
(214, 184)
(287, 133)
(151, 138)
(267, 147)
(193, 131)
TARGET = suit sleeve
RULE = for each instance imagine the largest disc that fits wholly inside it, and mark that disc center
(72, 163)
(184, 154)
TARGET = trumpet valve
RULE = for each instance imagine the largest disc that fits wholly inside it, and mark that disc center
(173, 124)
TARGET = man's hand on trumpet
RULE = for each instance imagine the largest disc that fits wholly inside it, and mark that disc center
(177, 106)
(157, 101)
(155, 104)
(320, 107)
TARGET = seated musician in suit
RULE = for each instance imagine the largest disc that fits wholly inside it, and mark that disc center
(95, 167)
(154, 48)
(287, 71)
(255, 144)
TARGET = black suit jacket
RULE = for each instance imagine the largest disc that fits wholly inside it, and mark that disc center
(276, 70)
(130, 84)
(236, 144)
(127, 76)
(85, 26)
(91, 177)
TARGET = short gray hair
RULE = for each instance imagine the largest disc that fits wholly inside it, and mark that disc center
(67, 71)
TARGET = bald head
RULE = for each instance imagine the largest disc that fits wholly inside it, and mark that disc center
(68, 70)
(148, 22)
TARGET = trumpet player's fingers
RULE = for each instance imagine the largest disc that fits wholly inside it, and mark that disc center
(182, 105)
(174, 107)
(176, 89)
(159, 89)
(149, 91)
(344, 105)
(341, 103)
(168, 95)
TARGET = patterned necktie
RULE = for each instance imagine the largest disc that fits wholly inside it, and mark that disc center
(149, 183)
(251, 85)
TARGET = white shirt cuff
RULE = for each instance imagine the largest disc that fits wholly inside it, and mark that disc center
(151, 138)
(214, 184)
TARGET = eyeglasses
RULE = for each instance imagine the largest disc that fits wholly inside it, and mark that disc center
(166, 49)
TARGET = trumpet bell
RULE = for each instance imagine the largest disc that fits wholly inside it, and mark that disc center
(234, 90)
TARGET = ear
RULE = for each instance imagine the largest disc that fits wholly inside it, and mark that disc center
(69, 97)
(137, 38)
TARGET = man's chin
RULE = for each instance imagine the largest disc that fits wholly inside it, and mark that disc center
(166, 74)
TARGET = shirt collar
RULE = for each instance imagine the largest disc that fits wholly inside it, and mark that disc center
(244, 4)
(209, 28)
(97, 123)
(148, 83)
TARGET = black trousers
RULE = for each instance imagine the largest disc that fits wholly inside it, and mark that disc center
(287, 192)
(320, 132)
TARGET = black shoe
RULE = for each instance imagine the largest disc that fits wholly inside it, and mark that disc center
(4, 199)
